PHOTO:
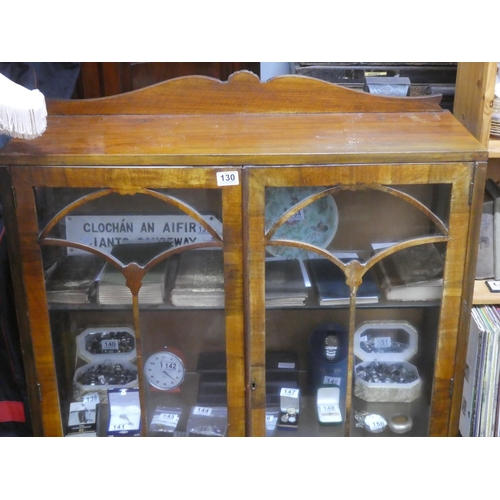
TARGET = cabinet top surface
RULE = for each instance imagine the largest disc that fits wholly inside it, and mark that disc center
(245, 122)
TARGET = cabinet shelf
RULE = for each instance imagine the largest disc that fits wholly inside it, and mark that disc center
(146, 307)
(482, 294)
(311, 303)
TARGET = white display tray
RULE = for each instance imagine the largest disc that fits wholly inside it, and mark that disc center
(95, 345)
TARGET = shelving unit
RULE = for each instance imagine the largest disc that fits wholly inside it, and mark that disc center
(475, 90)
(473, 104)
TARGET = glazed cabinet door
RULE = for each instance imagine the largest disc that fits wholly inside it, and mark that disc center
(355, 278)
(133, 285)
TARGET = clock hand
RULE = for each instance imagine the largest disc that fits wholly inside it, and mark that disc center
(168, 375)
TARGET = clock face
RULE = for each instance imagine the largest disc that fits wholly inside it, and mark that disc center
(164, 371)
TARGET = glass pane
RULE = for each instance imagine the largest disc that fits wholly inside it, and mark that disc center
(157, 367)
(185, 373)
(383, 245)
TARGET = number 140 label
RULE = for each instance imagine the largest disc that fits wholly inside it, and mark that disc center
(228, 178)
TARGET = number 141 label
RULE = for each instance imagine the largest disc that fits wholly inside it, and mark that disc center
(228, 178)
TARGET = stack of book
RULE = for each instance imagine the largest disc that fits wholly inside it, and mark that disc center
(72, 279)
(414, 273)
(480, 412)
(286, 283)
(199, 281)
(112, 288)
(331, 286)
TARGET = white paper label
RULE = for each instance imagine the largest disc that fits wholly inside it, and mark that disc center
(91, 397)
(382, 342)
(375, 422)
(290, 366)
(110, 345)
(289, 393)
(202, 410)
(327, 380)
(271, 421)
(167, 418)
(228, 178)
(330, 410)
(329, 413)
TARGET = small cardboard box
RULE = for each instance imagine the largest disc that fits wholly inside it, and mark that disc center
(289, 408)
(328, 405)
(124, 413)
(83, 418)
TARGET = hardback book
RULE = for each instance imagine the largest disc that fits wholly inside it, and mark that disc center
(493, 190)
(72, 279)
(112, 288)
(331, 286)
(199, 281)
(485, 255)
(286, 282)
(414, 273)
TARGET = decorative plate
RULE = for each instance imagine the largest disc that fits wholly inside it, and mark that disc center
(316, 224)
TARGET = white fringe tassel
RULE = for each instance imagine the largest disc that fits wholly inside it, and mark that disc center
(23, 113)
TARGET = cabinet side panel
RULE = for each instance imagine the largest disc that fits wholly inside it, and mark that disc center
(38, 321)
(466, 303)
(452, 314)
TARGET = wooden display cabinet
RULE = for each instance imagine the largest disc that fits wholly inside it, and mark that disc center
(397, 171)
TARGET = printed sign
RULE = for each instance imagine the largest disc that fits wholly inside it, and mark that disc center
(105, 231)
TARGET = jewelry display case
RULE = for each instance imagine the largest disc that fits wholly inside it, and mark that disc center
(206, 223)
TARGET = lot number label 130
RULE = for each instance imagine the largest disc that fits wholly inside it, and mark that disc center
(228, 178)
